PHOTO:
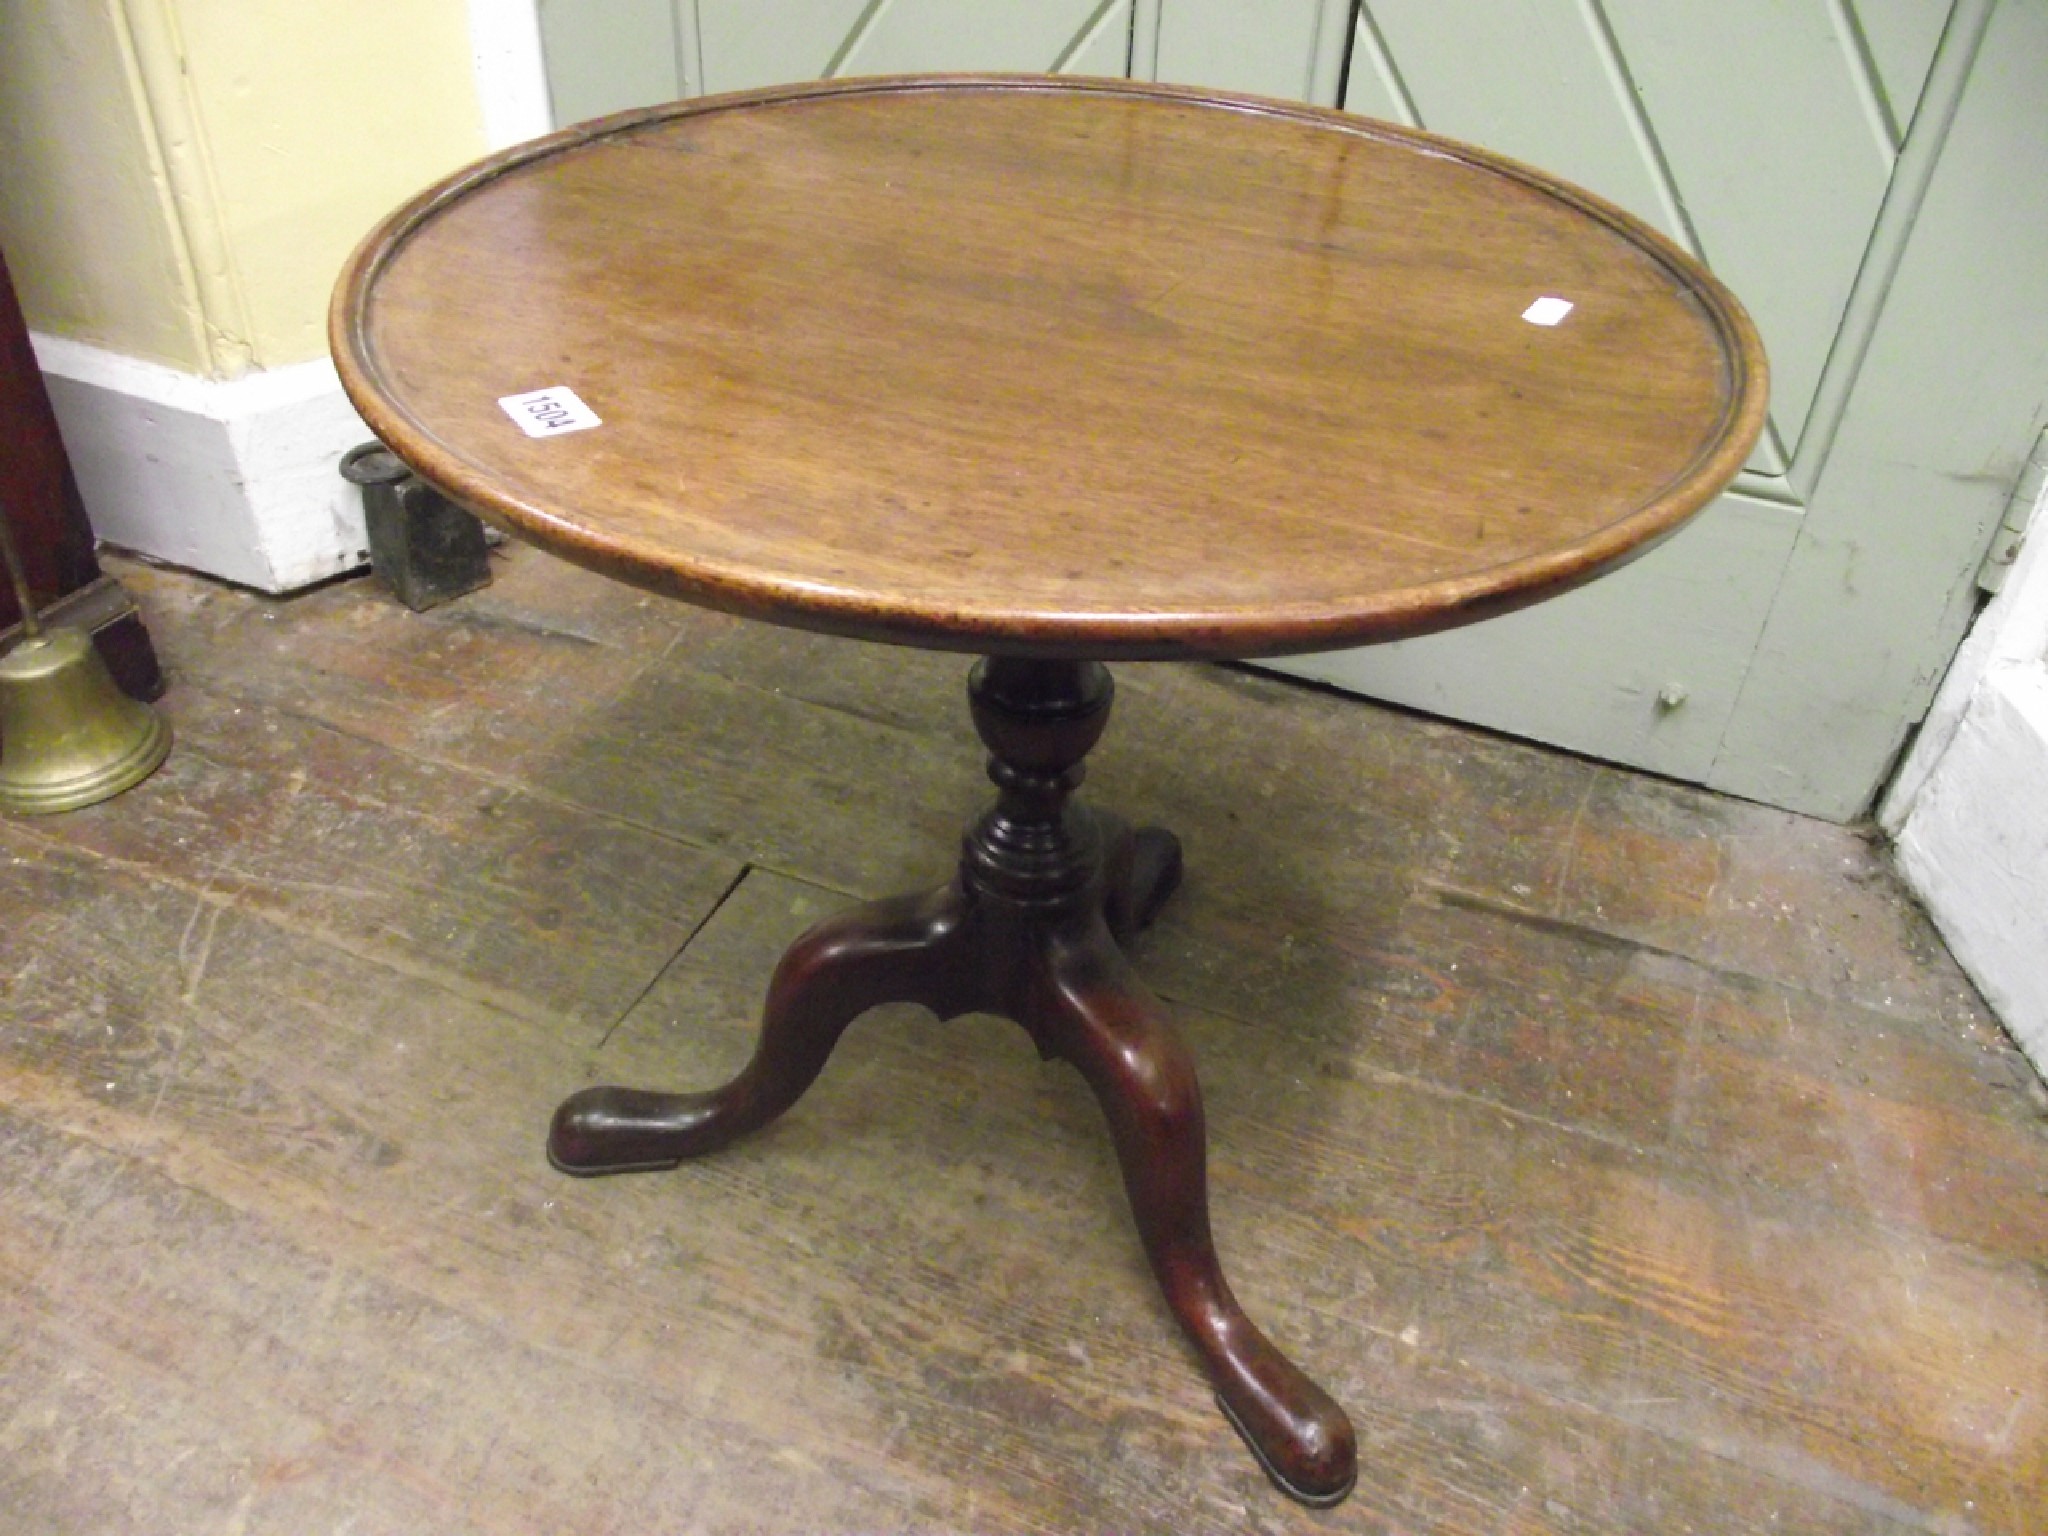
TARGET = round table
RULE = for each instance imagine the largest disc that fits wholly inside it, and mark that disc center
(1058, 372)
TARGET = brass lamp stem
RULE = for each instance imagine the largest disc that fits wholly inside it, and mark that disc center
(31, 626)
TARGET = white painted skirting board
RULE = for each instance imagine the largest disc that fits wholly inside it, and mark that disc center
(237, 479)
(1975, 847)
(1969, 810)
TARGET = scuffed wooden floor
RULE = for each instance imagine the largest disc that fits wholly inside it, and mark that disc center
(1626, 1159)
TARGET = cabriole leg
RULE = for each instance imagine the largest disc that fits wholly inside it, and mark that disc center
(1093, 1012)
(904, 950)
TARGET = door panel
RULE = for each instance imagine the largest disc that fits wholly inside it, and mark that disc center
(1647, 661)
(1900, 36)
(1372, 81)
(748, 43)
(609, 55)
(907, 35)
(1506, 94)
(1104, 46)
(1289, 48)
(1761, 109)
(1947, 406)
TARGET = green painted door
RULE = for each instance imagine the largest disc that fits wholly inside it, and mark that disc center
(607, 55)
(1847, 165)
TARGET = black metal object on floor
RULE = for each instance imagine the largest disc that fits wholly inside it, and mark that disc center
(422, 545)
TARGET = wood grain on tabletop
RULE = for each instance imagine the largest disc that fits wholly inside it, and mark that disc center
(1080, 368)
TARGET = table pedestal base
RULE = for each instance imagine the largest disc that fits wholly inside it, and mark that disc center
(1031, 929)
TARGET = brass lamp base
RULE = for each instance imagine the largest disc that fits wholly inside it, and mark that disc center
(69, 737)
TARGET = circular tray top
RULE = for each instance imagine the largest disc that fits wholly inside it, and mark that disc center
(1053, 368)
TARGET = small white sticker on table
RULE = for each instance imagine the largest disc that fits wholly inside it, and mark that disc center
(549, 412)
(1547, 310)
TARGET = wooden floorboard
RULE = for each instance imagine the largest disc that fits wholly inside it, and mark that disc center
(1628, 1159)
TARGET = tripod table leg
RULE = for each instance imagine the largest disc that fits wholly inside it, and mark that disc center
(1141, 867)
(909, 949)
(1095, 1013)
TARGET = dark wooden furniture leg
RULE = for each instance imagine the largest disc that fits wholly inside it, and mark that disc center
(906, 950)
(1030, 929)
(39, 498)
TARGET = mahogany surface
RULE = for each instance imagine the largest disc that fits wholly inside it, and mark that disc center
(1092, 369)
(1062, 372)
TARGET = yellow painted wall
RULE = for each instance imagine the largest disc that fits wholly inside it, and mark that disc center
(319, 116)
(193, 172)
(85, 215)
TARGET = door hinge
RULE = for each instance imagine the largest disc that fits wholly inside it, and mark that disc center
(2019, 510)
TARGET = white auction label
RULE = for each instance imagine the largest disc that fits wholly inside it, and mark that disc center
(1547, 310)
(549, 412)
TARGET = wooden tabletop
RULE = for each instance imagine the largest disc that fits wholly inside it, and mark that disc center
(1063, 368)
